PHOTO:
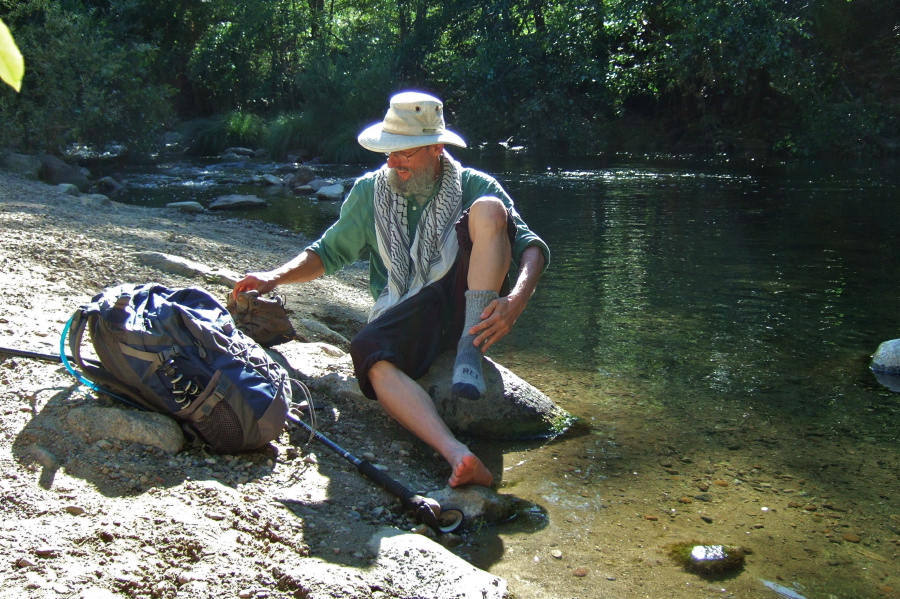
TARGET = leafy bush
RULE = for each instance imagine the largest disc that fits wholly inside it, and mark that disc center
(207, 137)
(82, 85)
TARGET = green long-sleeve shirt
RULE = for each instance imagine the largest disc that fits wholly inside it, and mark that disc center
(352, 237)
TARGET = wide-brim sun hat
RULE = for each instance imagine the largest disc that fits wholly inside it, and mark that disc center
(413, 120)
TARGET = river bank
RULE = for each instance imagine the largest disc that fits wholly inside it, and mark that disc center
(106, 518)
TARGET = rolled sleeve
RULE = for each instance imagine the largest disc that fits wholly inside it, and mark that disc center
(350, 237)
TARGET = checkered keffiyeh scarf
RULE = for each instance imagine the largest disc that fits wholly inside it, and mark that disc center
(412, 265)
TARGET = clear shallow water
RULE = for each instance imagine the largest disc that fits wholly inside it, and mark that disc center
(709, 323)
(721, 285)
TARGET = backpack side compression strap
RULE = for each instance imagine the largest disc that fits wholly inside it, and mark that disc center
(94, 377)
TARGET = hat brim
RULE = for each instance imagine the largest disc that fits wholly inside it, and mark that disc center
(375, 139)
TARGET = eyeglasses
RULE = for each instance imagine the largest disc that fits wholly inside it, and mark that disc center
(402, 155)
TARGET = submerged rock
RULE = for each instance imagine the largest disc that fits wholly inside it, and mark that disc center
(479, 505)
(186, 206)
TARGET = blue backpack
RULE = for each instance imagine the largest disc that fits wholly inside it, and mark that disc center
(179, 353)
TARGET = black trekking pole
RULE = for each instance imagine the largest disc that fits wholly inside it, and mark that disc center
(21, 353)
(427, 511)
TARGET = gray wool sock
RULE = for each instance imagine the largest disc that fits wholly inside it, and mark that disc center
(468, 379)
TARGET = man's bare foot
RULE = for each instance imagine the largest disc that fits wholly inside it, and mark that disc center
(471, 471)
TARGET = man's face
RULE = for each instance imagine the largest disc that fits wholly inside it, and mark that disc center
(413, 171)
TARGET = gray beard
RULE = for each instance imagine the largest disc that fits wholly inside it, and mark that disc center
(421, 183)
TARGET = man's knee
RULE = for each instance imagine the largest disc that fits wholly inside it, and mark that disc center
(488, 212)
(382, 378)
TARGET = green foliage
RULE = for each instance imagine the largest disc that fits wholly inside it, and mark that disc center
(699, 48)
(524, 70)
(815, 77)
(83, 85)
(207, 137)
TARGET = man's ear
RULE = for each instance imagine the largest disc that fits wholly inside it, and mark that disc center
(436, 149)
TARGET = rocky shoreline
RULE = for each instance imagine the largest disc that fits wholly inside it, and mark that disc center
(99, 517)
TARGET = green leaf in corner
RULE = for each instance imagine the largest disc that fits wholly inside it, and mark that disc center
(12, 65)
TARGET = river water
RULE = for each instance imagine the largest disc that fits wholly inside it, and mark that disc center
(711, 324)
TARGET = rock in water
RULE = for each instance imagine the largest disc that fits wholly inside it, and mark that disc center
(886, 364)
(234, 201)
(479, 505)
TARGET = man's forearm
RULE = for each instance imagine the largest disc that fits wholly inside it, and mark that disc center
(305, 267)
(531, 265)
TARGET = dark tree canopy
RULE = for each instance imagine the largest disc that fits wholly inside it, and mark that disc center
(583, 77)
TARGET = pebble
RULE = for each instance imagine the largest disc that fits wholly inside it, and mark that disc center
(556, 553)
(75, 510)
(43, 456)
(580, 572)
(851, 538)
(24, 562)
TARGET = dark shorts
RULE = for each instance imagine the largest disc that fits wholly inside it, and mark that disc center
(413, 333)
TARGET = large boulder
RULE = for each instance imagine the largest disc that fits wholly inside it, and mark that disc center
(55, 171)
(22, 164)
(410, 565)
(128, 426)
(510, 409)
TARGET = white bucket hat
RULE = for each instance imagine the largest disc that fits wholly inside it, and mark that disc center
(413, 120)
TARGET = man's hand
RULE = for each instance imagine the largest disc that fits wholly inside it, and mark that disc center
(264, 282)
(496, 321)
(501, 314)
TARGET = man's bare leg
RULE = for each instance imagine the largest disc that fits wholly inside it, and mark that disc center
(491, 251)
(407, 402)
(489, 262)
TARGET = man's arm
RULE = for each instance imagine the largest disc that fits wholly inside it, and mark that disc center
(501, 314)
(305, 267)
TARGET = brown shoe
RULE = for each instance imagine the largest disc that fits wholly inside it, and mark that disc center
(262, 319)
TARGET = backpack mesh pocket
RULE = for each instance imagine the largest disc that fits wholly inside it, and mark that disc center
(221, 429)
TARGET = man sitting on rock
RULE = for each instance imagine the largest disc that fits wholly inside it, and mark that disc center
(440, 239)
